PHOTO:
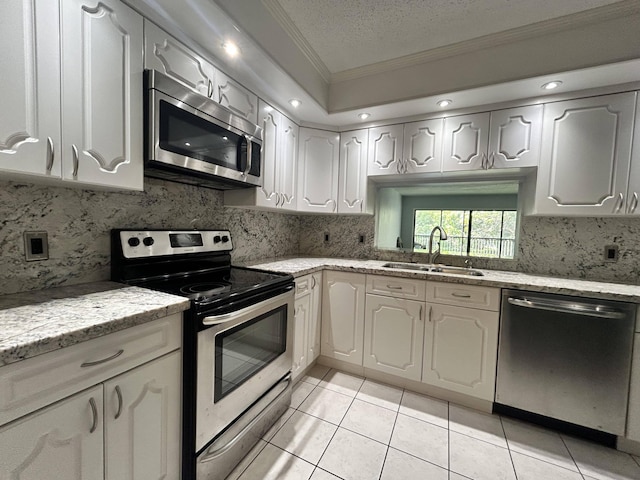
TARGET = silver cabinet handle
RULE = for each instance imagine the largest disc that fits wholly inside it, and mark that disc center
(394, 287)
(98, 362)
(94, 413)
(634, 203)
(119, 394)
(491, 161)
(76, 160)
(483, 161)
(313, 285)
(619, 203)
(50, 154)
(430, 310)
(460, 295)
(420, 315)
(209, 88)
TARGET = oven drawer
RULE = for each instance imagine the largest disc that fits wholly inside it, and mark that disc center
(33, 383)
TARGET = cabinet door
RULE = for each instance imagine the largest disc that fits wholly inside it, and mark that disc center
(385, 150)
(287, 164)
(315, 317)
(267, 193)
(423, 146)
(460, 350)
(143, 421)
(633, 188)
(235, 97)
(301, 333)
(465, 142)
(102, 94)
(343, 296)
(633, 416)
(63, 441)
(352, 192)
(393, 336)
(318, 156)
(169, 56)
(30, 88)
(514, 138)
(585, 155)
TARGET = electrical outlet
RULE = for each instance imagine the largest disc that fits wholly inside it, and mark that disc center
(36, 246)
(361, 238)
(611, 253)
(326, 237)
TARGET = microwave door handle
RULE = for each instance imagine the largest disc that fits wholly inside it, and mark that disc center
(249, 159)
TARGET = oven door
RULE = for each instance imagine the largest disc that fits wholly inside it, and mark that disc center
(241, 355)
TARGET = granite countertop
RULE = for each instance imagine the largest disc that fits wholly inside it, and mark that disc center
(32, 323)
(491, 278)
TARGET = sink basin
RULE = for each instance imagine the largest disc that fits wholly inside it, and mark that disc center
(434, 268)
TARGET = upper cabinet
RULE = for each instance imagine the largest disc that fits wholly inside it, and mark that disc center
(500, 139)
(318, 160)
(385, 150)
(422, 151)
(102, 94)
(352, 178)
(279, 154)
(235, 97)
(633, 188)
(167, 55)
(586, 157)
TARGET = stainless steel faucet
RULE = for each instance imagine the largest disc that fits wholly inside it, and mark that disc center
(443, 236)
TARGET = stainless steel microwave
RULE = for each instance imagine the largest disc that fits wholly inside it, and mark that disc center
(192, 139)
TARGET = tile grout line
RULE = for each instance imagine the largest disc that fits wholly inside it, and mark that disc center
(395, 420)
(448, 442)
(506, 440)
(571, 455)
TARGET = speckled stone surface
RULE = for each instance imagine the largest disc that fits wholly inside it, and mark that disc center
(491, 278)
(32, 323)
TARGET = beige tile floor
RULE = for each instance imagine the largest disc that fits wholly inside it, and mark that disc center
(342, 426)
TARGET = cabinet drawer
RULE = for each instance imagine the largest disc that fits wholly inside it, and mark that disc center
(304, 285)
(474, 296)
(396, 287)
(33, 383)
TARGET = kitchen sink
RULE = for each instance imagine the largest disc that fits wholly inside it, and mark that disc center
(435, 268)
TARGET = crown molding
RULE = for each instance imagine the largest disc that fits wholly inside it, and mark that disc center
(594, 15)
(280, 15)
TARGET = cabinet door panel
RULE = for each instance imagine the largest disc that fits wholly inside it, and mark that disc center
(301, 333)
(315, 317)
(343, 297)
(461, 350)
(586, 150)
(515, 136)
(385, 150)
(167, 55)
(102, 93)
(465, 142)
(352, 192)
(319, 159)
(30, 88)
(143, 442)
(236, 98)
(423, 146)
(267, 194)
(393, 333)
(633, 188)
(287, 165)
(56, 442)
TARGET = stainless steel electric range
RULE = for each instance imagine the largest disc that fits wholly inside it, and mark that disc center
(236, 342)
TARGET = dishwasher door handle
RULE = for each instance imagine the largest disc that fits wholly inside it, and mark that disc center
(586, 309)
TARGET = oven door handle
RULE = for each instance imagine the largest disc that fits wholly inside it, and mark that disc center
(227, 317)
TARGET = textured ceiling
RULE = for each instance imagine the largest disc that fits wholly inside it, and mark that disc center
(346, 34)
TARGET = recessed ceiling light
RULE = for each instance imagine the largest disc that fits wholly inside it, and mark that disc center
(295, 103)
(187, 144)
(231, 49)
(225, 138)
(552, 85)
(444, 103)
(364, 116)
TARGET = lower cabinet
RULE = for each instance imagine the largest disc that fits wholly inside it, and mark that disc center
(460, 350)
(393, 336)
(343, 297)
(306, 331)
(633, 415)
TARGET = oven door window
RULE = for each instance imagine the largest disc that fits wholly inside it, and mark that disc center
(187, 134)
(244, 350)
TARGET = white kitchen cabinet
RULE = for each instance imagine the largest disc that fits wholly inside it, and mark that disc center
(62, 441)
(306, 336)
(633, 414)
(30, 88)
(466, 139)
(318, 160)
(586, 154)
(352, 191)
(343, 303)
(460, 350)
(235, 97)
(279, 166)
(169, 56)
(633, 187)
(102, 94)
(385, 150)
(142, 421)
(422, 152)
(315, 318)
(514, 137)
(393, 336)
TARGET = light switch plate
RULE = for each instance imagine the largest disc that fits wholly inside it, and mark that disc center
(36, 246)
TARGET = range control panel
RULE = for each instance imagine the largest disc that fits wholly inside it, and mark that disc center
(155, 243)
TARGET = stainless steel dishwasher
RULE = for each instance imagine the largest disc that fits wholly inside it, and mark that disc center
(566, 358)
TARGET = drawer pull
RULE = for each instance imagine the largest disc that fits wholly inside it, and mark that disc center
(394, 287)
(461, 295)
(119, 394)
(94, 413)
(98, 362)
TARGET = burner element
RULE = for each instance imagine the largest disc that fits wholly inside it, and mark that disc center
(203, 290)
